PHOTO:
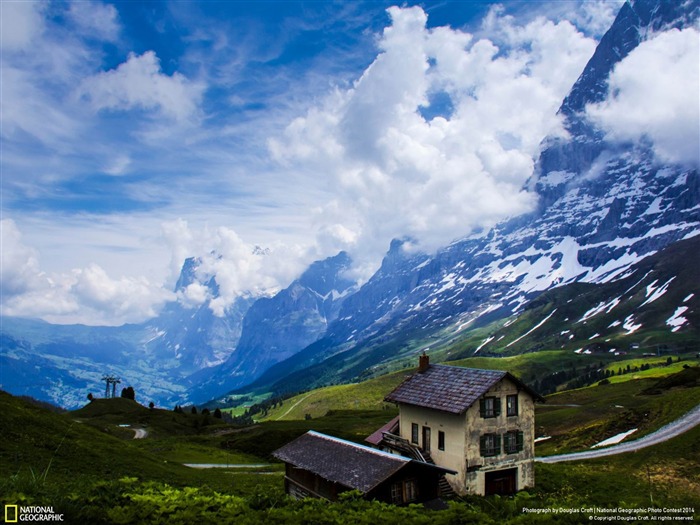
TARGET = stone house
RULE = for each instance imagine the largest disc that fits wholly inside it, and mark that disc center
(322, 466)
(479, 423)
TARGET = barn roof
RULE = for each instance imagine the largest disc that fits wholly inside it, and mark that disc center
(450, 388)
(349, 464)
(375, 438)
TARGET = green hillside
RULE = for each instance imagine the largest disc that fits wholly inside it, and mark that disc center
(75, 464)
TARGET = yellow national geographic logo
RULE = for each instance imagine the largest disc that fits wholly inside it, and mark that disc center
(11, 513)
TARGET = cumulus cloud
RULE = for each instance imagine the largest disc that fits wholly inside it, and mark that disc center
(20, 24)
(19, 263)
(238, 267)
(140, 83)
(95, 20)
(596, 17)
(653, 94)
(438, 135)
(86, 295)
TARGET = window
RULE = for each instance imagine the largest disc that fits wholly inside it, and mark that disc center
(512, 405)
(414, 433)
(426, 439)
(409, 491)
(490, 407)
(404, 492)
(490, 445)
(513, 442)
(441, 440)
(396, 493)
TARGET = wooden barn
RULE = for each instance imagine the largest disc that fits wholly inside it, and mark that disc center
(322, 466)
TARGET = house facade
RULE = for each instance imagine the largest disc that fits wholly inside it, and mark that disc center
(322, 466)
(479, 423)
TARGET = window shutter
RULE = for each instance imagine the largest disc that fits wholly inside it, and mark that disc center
(519, 441)
(497, 444)
(482, 445)
(497, 406)
(482, 407)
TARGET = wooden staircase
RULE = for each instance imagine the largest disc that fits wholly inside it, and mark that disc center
(445, 489)
(404, 447)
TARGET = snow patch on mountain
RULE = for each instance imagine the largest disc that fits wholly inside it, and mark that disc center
(676, 321)
(532, 329)
(654, 293)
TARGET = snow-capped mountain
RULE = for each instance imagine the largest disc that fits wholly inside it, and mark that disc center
(603, 206)
(591, 261)
(278, 327)
(190, 339)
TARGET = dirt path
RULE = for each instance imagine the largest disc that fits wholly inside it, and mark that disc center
(677, 427)
(140, 433)
(292, 407)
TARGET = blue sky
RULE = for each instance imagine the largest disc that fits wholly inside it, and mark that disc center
(135, 134)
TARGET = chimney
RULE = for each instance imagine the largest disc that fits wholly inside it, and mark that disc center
(423, 362)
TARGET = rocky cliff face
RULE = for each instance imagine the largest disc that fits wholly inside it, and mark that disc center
(603, 207)
(278, 327)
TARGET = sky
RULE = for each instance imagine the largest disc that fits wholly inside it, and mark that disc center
(262, 136)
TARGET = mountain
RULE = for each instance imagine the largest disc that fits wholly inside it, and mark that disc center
(598, 264)
(603, 207)
(62, 363)
(191, 339)
(278, 327)
(657, 295)
(183, 355)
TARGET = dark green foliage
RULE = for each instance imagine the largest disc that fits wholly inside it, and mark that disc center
(689, 377)
(129, 393)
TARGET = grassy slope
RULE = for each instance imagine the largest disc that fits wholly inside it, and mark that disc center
(82, 458)
(63, 446)
(578, 419)
(51, 455)
(665, 475)
(368, 395)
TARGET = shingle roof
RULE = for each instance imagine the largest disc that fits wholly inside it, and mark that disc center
(449, 388)
(352, 465)
(375, 438)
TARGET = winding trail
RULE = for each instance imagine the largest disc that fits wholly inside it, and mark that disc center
(292, 407)
(140, 433)
(673, 429)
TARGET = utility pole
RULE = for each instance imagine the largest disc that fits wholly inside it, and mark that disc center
(111, 380)
(114, 386)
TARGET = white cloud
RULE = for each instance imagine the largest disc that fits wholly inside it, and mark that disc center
(140, 83)
(18, 262)
(85, 295)
(95, 20)
(126, 299)
(596, 17)
(395, 173)
(653, 94)
(239, 268)
(20, 24)
(194, 294)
